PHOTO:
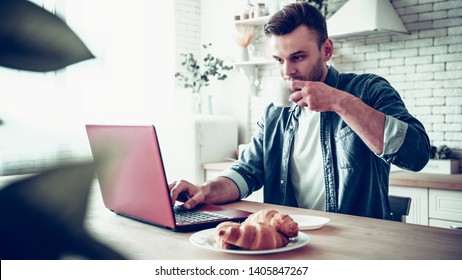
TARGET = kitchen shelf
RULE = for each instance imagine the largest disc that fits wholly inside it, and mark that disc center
(253, 21)
(258, 62)
(250, 70)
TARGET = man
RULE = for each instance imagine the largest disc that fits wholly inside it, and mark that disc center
(332, 149)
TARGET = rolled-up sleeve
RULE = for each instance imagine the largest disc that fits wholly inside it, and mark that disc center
(238, 180)
(405, 142)
(394, 135)
(405, 146)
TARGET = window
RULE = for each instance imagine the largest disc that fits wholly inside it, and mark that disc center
(130, 81)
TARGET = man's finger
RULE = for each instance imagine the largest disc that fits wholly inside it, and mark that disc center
(175, 191)
(296, 96)
(193, 201)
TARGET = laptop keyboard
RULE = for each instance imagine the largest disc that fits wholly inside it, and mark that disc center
(184, 216)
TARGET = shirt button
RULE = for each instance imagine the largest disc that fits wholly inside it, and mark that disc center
(282, 182)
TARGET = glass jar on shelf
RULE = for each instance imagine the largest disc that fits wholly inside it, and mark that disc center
(260, 10)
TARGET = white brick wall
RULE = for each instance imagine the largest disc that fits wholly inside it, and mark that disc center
(425, 66)
(187, 28)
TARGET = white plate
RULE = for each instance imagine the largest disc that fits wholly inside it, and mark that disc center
(204, 239)
(306, 222)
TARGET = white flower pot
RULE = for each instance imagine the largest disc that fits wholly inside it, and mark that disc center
(186, 102)
(243, 54)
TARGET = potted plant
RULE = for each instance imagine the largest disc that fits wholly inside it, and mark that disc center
(440, 161)
(243, 37)
(195, 76)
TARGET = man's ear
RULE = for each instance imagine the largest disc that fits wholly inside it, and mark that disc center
(327, 50)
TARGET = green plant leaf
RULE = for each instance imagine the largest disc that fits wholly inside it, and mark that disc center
(211, 67)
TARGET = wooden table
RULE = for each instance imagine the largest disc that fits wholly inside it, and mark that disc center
(345, 237)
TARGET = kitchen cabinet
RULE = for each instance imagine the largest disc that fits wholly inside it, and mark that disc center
(445, 224)
(436, 198)
(445, 208)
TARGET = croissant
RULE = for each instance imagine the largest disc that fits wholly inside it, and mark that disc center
(255, 236)
(222, 227)
(281, 222)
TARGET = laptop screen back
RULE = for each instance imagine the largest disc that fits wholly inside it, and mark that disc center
(131, 173)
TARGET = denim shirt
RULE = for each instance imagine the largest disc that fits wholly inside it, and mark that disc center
(355, 178)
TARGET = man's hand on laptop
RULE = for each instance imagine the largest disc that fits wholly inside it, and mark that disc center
(186, 192)
(217, 191)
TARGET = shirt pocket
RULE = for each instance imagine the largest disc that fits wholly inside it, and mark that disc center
(351, 150)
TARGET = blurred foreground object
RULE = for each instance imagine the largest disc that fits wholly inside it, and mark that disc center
(43, 217)
(34, 39)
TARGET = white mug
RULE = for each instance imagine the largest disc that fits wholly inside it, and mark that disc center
(280, 93)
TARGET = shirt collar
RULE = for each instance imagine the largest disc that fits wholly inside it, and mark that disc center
(332, 77)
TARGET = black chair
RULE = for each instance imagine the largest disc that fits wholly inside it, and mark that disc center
(399, 207)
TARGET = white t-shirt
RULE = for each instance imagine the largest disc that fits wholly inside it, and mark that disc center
(306, 165)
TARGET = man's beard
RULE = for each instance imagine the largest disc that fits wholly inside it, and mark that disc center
(316, 73)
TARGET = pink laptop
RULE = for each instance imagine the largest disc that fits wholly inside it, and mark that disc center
(132, 179)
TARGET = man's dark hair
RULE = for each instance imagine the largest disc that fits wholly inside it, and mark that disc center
(294, 15)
